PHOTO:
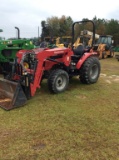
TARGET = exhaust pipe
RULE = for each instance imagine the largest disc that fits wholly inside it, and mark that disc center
(11, 94)
(18, 32)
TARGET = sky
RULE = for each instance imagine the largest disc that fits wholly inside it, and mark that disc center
(28, 14)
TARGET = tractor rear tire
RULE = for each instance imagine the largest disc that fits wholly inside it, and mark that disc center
(90, 71)
(58, 81)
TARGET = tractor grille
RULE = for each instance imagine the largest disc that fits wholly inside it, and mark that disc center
(7, 53)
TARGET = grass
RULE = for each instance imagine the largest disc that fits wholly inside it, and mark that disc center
(80, 124)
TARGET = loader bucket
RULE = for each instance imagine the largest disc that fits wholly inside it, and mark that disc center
(11, 94)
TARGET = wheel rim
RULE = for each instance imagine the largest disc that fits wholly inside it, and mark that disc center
(94, 72)
(61, 82)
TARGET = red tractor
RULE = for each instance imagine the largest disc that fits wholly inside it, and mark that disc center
(56, 65)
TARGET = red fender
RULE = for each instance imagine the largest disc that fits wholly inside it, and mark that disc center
(84, 57)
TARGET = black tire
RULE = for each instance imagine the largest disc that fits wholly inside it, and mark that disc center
(90, 71)
(58, 81)
(104, 56)
(111, 54)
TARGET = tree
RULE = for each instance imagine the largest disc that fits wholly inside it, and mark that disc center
(65, 26)
(112, 27)
(54, 26)
(99, 25)
(57, 27)
(69, 23)
(45, 30)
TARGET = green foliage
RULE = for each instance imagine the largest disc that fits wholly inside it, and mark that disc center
(65, 26)
(55, 26)
(116, 39)
(112, 27)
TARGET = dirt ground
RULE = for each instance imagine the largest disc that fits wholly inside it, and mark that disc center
(110, 79)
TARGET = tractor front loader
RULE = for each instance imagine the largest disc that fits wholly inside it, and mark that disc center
(56, 65)
(11, 94)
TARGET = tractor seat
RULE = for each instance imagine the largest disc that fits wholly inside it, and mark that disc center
(87, 49)
(79, 51)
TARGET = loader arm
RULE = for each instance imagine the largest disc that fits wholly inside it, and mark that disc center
(37, 78)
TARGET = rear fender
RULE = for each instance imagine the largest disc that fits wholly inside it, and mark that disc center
(83, 59)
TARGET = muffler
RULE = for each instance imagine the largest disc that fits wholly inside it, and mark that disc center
(11, 94)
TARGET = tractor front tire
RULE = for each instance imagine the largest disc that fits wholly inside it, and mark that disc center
(58, 81)
(90, 71)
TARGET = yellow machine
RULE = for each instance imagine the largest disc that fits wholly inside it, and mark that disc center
(77, 43)
(104, 47)
(85, 39)
(58, 44)
(101, 50)
(90, 42)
